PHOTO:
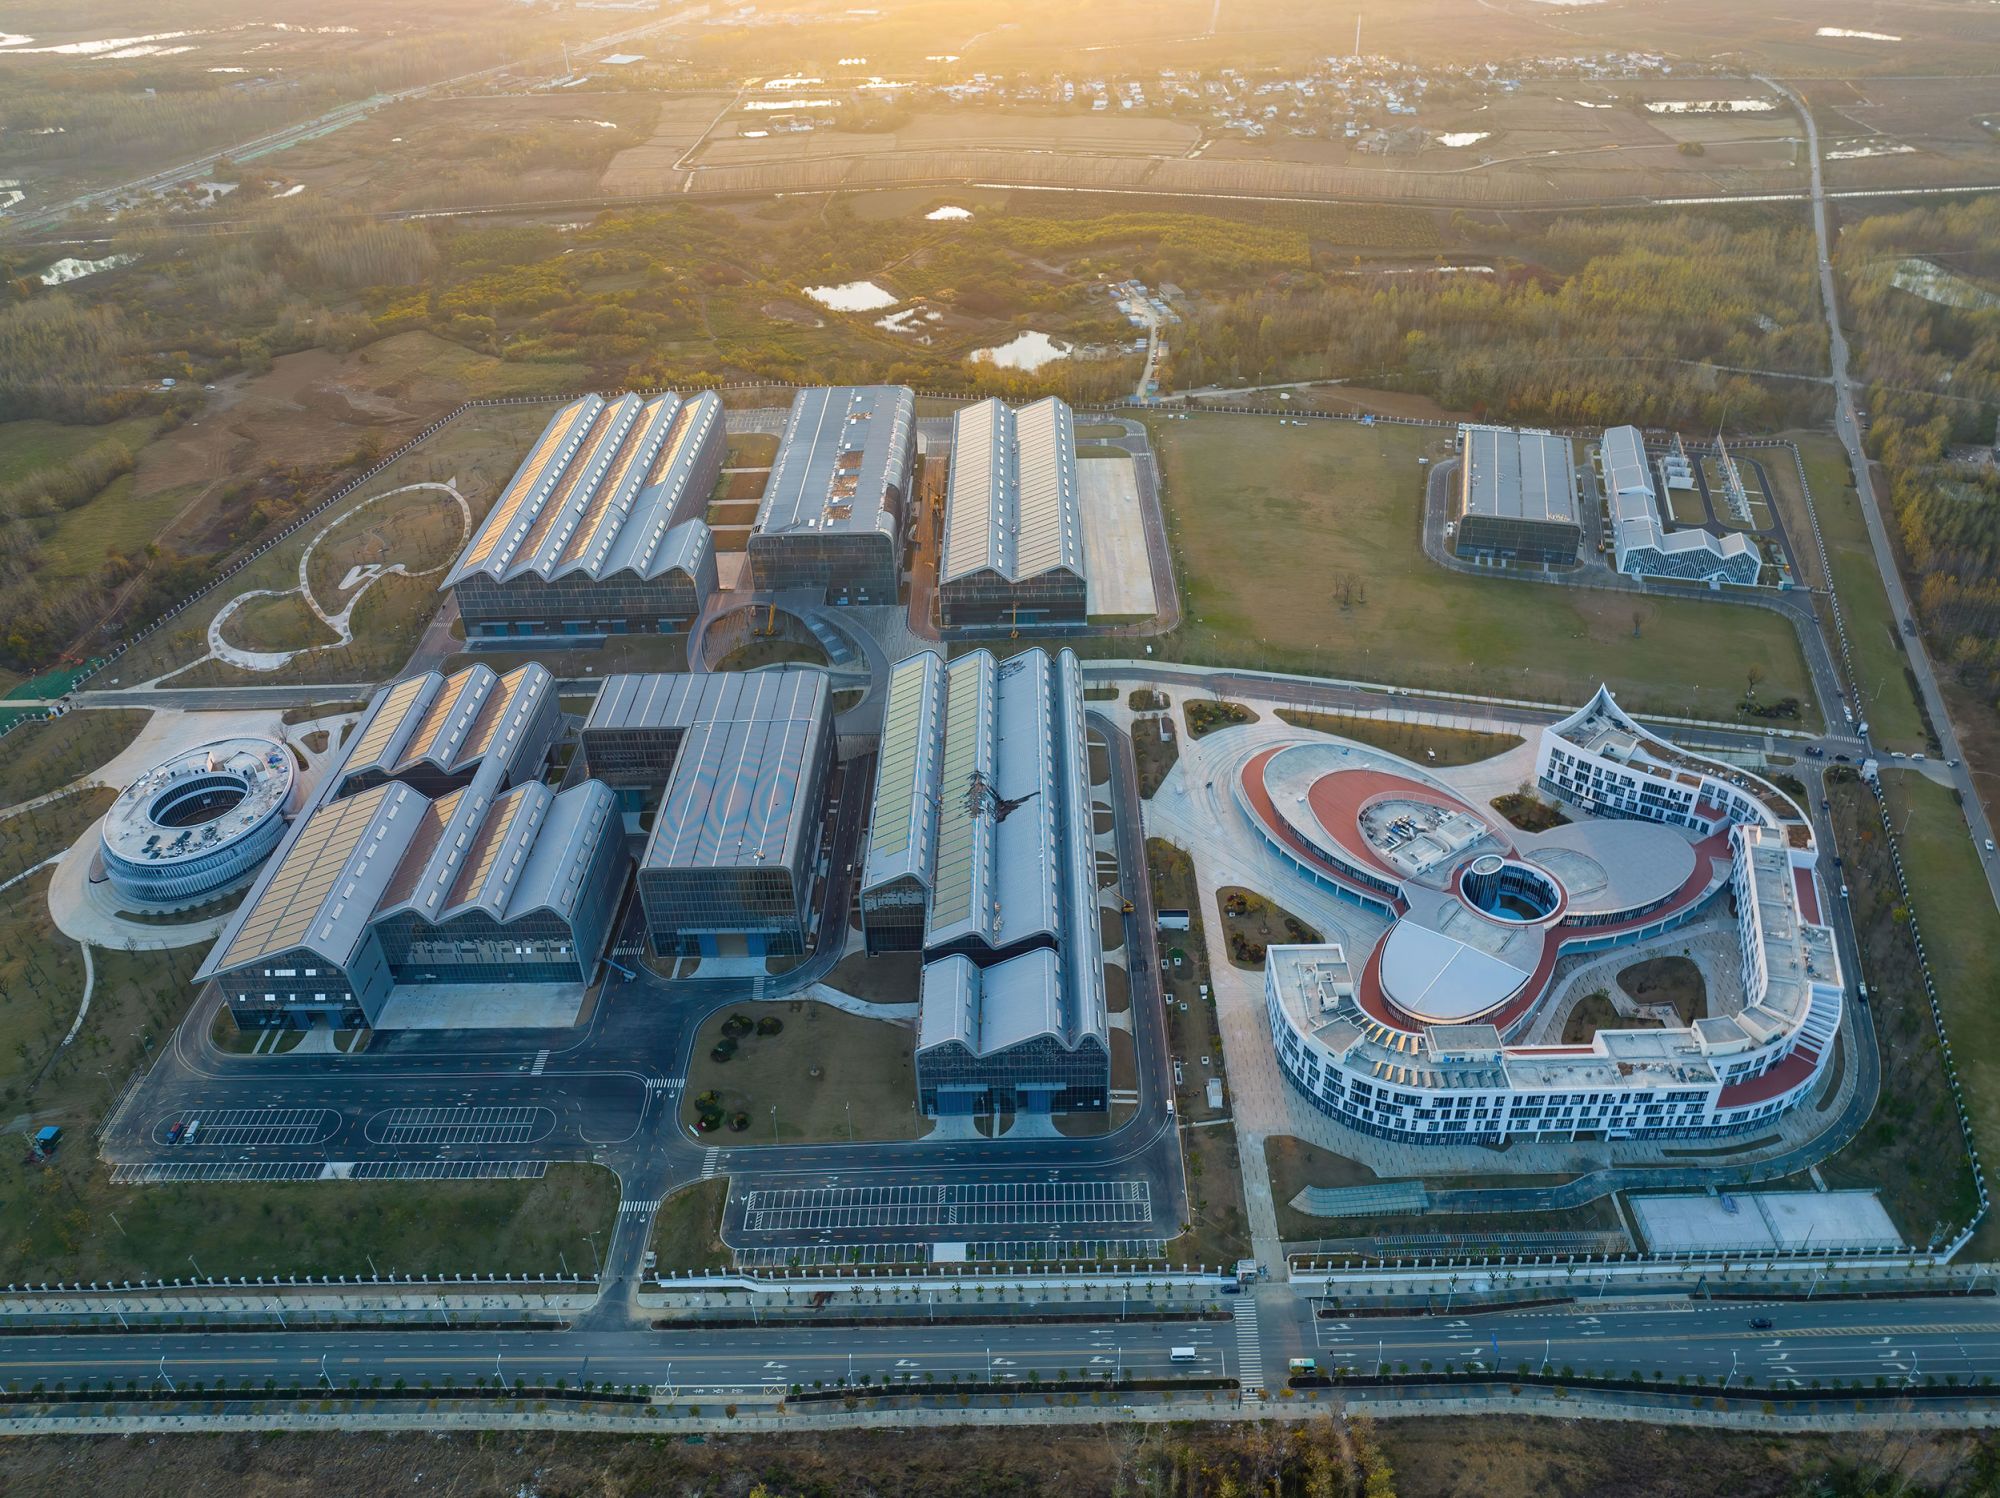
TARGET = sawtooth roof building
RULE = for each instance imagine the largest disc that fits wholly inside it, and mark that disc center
(434, 855)
(981, 855)
(1432, 1035)
(737, 766)
(1516, 496)
(1013, 530)
(601, 529)
(1643, 542)
(834, 506)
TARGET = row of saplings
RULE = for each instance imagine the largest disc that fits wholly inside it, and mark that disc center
(708, 1106)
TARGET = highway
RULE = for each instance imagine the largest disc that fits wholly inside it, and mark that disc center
(1847, 424)
(1897, 1342)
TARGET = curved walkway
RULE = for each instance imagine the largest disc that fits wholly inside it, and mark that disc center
(340, 623)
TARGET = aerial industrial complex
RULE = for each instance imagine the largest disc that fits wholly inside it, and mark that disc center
(435, 855)
(724, 780)
(1516, 498)
(1644, 541)
(601, 530)
(1013, 533)
(981, 856)
(1425, 1036)
(835, 503)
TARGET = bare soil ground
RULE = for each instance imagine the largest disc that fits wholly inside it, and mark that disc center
(1668, 980)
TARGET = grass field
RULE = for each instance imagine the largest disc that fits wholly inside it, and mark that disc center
(421, 530)
(60, 1221)
(279, 622)
(1445, 746)
(687, 1231)
(39, 757)
(1887, 701)
(30, 836)
(28, 446)
(41, 983)
(822, 1062)
(1265, 525)
(480, 450)
(1961, 933)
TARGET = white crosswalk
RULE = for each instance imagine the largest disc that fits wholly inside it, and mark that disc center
(541, 1060)
(1249, 1352)
(710, 1164)
(630, 1205)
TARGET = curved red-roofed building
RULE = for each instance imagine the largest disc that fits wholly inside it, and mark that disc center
(1423, 1035)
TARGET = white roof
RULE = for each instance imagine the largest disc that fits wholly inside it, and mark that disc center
(1430, 975)
(1011, 506)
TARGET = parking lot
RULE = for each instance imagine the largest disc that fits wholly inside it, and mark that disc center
(460, 1125)
(962, 1205)
(237, 1127)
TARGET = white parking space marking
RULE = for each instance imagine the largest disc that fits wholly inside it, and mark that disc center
(963, 1205)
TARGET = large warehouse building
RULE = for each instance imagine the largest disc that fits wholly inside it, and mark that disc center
(1516, 496)
(1643, 543)
(433, 856)
(834, 506)
(740, 763)
(981, 855)
(1013, 530)
(601, 531)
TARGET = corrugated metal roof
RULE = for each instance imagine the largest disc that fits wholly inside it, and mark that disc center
(601, 491)
(901, 826)
(331, 876)
(1518, 475)
(733, 799)
(961, 894)
(843, 449)
(450, 722)
(990, 1009)
(1011, 504)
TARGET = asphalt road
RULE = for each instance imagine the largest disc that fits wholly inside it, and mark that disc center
(1848, 426)
(1897, 1342)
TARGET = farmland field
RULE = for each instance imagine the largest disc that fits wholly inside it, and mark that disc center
(1266, 527)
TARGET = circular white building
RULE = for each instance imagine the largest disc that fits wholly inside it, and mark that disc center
(197, 822)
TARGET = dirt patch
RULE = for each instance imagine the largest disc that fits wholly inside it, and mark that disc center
(1594, 1012)
(1157, 749)
(1668, 980)
(1207, 715)
(1251, 922)
(889, 978)
(1416, 741)
(1530, 813)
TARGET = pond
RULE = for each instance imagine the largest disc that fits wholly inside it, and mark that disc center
(1029, 351)
(854, 296)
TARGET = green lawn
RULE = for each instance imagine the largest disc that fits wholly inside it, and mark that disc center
(1890, 707)
(28, 837)
(1271, 527)
(41, 983)
(863, 1062)
(26, 446)
(687, 1232)
(39, 757)
(1415, 741)
(67, 1221)
(1961, 931)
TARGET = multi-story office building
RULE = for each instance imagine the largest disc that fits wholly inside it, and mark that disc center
(1427, 1038)
(981, 854)
(835, 504)
(1013, 530)
(601, 530)
(433, 856)
(732, 769)
(1516, 497)
(1644, 543)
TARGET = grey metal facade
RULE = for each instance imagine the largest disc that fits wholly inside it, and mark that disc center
(833, 510)
(1013, 535)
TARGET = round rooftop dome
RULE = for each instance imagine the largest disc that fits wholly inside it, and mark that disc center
(198, 821)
